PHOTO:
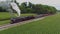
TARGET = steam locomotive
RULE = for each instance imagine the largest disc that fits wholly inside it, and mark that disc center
(21, 19)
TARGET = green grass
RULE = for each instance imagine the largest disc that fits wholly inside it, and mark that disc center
(4, 22)
(28, 14)
(49, 25)
(5, 15)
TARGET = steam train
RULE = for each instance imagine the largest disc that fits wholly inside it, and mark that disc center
(21, 19)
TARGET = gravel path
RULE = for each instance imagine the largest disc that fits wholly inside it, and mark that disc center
(7, 26)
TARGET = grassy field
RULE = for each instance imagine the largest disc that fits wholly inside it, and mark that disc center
(49, 25)
(5, 15)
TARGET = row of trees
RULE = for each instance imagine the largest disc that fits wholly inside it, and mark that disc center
(34, 8)
(37, 8)
(2, 9)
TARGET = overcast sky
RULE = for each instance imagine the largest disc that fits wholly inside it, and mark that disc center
(55, 3)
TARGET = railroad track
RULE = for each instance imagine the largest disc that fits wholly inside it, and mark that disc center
(7, 26)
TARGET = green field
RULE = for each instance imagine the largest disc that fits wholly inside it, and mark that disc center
(49, 25)
(6, 15)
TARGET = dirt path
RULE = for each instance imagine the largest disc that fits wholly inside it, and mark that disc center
(4, 27)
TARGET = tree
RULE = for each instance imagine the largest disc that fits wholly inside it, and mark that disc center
(37, 8)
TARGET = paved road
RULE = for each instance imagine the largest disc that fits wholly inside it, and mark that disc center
(7, 26)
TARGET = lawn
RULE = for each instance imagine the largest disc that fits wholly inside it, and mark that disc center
(6, 15)
(49, 25)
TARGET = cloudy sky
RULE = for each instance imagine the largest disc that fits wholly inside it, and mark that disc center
(55, 3)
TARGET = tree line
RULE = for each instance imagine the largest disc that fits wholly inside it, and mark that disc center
(2, 9)
(37, 8)
(34, 8)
